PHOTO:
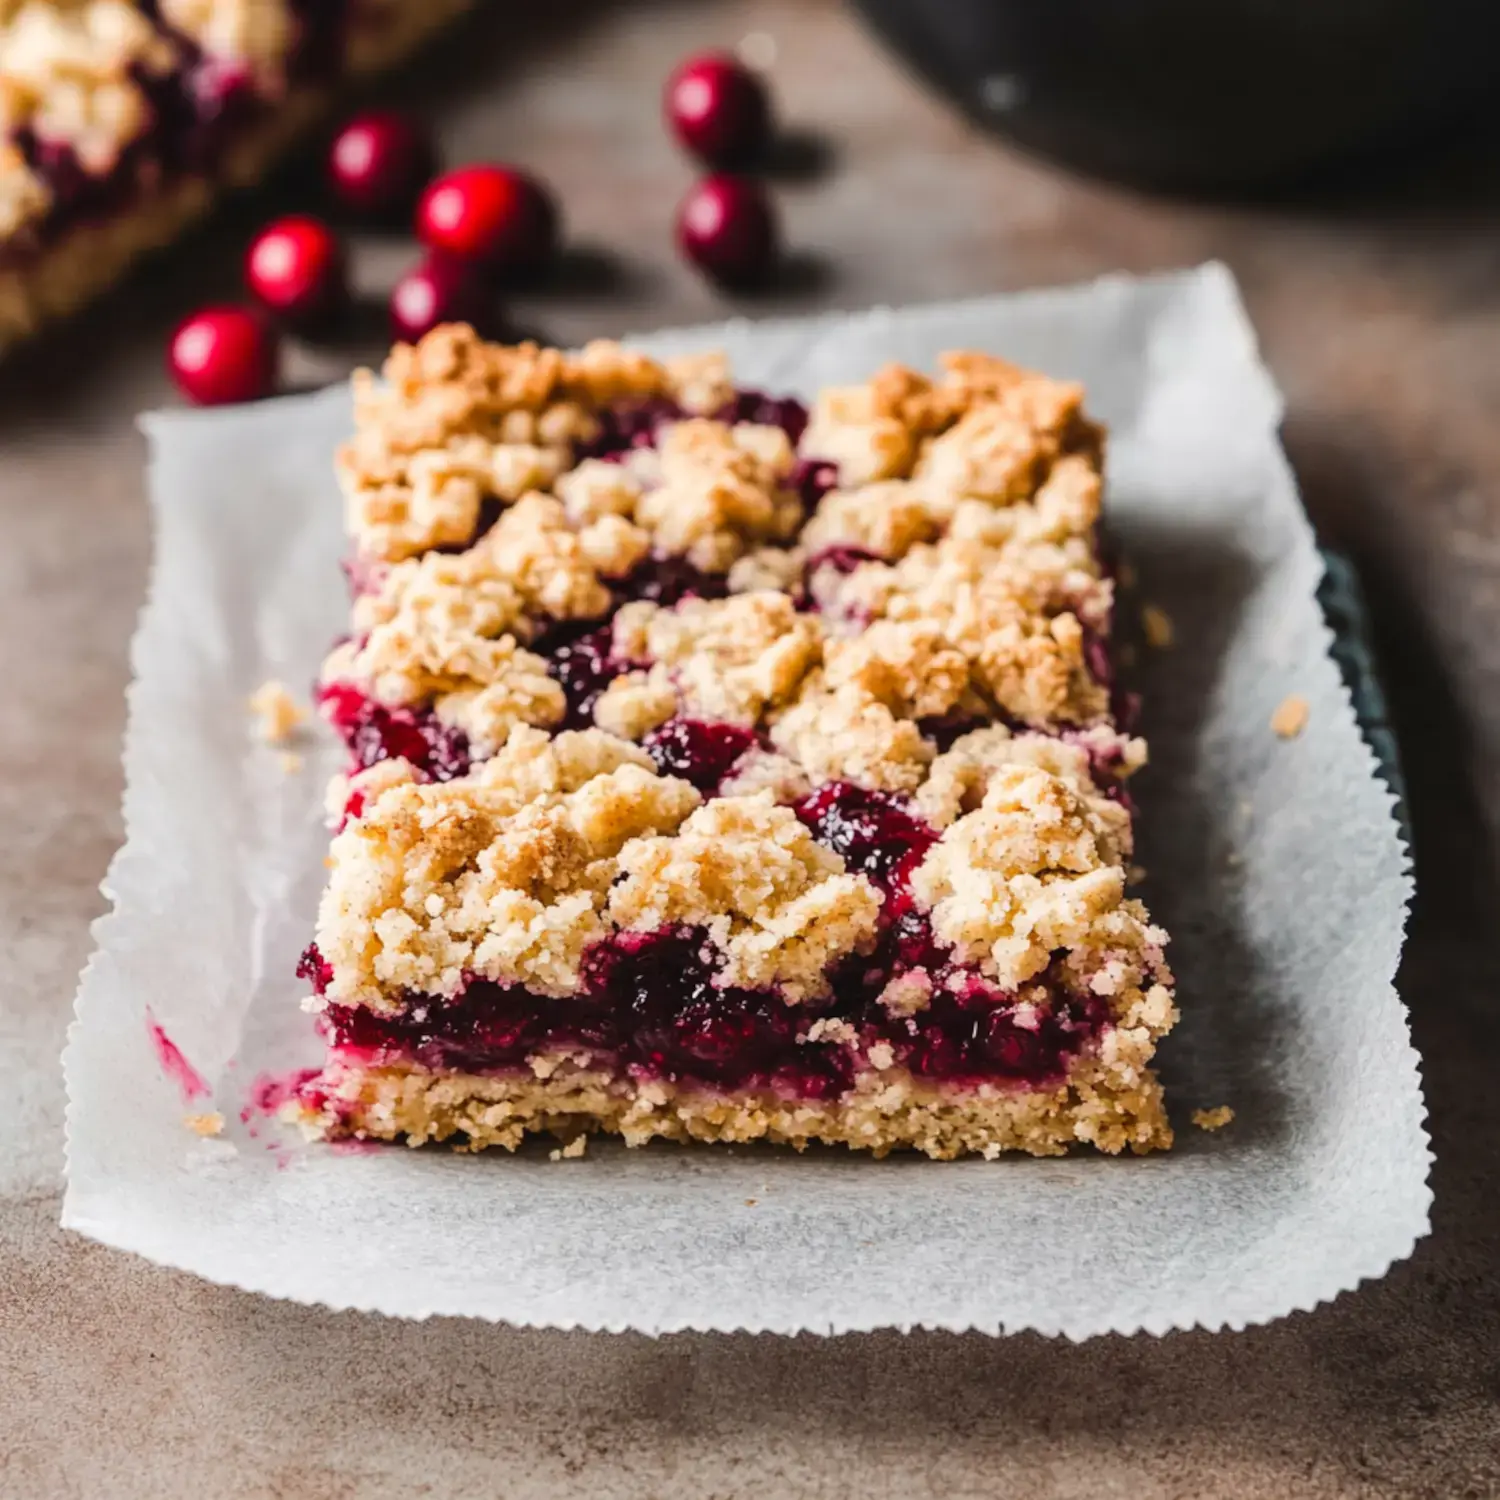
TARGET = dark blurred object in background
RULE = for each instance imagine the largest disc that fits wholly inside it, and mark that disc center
(1203, 94)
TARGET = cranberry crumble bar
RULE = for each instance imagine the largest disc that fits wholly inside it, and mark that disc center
(722, 770)
(120, 120)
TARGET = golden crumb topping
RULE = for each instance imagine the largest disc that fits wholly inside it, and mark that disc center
(734, 659)
(1035, 868)
(776, 903)
(1026, 656)
(260, 32)
(844, 734)
(960, 778)
(985, 428)
(719, 489)
(24, 197)
(503, 874)
(448, 628)
(457, 421)
(887, 518)
(74, 74)
(707, 492)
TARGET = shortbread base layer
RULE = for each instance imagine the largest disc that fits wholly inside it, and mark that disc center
(1107, 1108)
(92, 257)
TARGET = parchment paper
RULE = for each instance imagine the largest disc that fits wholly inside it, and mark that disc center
(1276, 865)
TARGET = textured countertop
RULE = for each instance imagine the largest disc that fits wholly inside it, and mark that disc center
(1379, 308)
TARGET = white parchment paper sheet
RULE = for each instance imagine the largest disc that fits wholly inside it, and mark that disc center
(1276, 865)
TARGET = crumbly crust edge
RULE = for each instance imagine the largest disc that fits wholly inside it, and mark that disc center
(1111, 1103)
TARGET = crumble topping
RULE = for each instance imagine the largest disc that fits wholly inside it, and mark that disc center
(260, 32)
(24, 197)
(1027, 661)
(774, 901)
(888, 518)
(1035, 868)
(720, 488)
(906, 665)
(960, 779)
(733, 659)
(707, 492)
(279, 714)
(205, 1125)
(844, 734)
(872, 431)
(504, 874)
(458, 421)
(984, 428)
(70, 74)
(701, 384)
(448, 627)
(530, 564)
(990, 454)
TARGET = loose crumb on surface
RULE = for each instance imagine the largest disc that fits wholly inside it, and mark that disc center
(291, 762)
(279, 713)
(1290, 718)
(1213, 1119)
(572, 1151)
(751, 1202)
(1158, 628)
(206, 1124)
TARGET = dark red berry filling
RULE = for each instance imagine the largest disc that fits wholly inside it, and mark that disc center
(699, 752)
(651, 1008)
(582, 659)
(875, 832)
(375, 733)
(668, 580)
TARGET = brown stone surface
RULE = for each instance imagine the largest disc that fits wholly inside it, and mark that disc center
(1380, 312)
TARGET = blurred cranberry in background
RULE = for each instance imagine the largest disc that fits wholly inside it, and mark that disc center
(378, 163)
(296, 268)
(496, 217)
(719, 110)
(440, 291)
(727, 227)
(224, 354)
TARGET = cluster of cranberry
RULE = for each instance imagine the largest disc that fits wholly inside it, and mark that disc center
(482, 227)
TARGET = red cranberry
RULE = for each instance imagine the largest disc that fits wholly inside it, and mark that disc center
(296, 268)
(727, 228)
(378, 163)
(223, 354)
(438, 291)
(718, 109)
(500, 218)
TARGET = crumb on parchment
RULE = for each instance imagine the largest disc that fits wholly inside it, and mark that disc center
(1213, 1119)
(291, 762)
(1157, 626)
(279, 713)
(572, 1151)
(205, 1124)
(1290, 718)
